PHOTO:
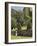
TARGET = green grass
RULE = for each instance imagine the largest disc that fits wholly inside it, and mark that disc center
(20, 37)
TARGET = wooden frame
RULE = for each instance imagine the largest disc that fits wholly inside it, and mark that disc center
(6, 22)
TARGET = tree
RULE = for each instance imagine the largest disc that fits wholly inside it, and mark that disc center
(27, 17)
(13, 23)
(19, 19)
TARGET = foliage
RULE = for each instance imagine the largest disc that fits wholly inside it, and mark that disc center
(19, 19)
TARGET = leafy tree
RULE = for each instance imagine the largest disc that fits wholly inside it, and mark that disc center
(19, 19)
(27, 17)
(13, 23)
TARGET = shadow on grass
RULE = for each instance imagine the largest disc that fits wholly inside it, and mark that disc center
(20, 37)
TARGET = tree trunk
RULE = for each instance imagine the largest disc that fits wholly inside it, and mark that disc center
(27, 11)
(16, 33)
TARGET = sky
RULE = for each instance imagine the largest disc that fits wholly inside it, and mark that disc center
(17, 8)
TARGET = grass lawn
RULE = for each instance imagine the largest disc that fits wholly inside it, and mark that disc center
(19, 37)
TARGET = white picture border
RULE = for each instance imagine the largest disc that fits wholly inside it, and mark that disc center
(9, 22)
